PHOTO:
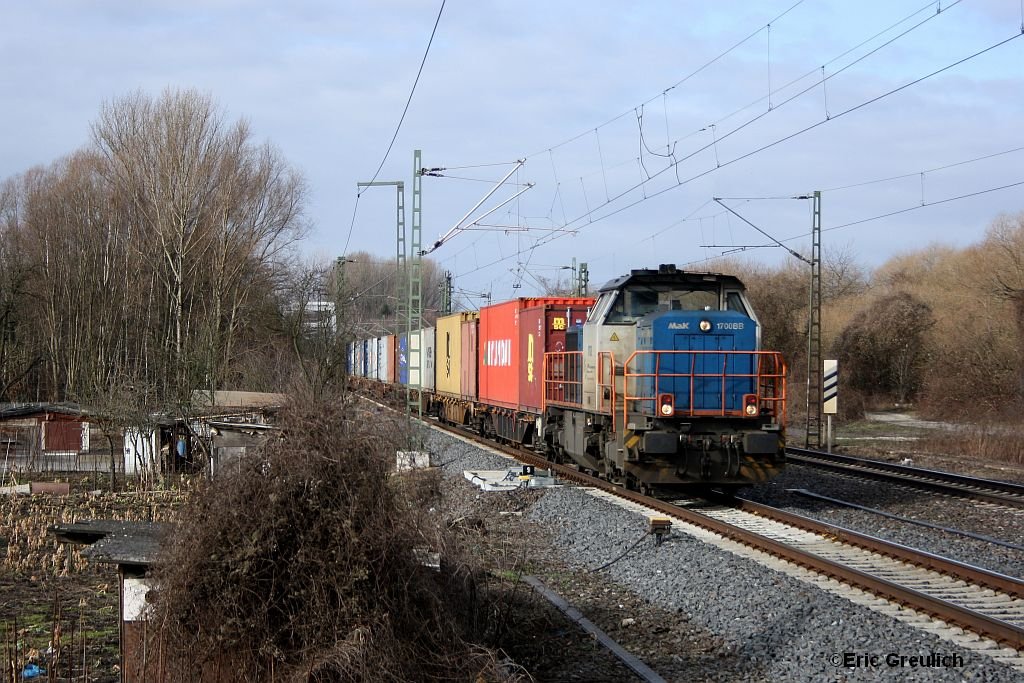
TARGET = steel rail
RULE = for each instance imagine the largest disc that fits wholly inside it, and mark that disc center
(977, 622)
(988, 490)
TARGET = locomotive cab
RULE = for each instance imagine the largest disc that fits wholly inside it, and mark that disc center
(675, 389)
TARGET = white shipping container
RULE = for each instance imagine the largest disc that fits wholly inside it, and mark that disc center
(427, 350)
(383, 360)
(373, 363)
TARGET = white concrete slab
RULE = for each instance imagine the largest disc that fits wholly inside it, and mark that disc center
(508, 479)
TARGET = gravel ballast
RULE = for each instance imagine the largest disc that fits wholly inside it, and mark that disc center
(1003, 523)
(728, 618)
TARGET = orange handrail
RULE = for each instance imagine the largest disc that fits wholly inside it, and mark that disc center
(563, 379)
(606, 405)
(770, 382)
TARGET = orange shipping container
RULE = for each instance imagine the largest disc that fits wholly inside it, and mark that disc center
(392, 346)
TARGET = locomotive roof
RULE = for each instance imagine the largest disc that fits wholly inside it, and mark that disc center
(668, 274)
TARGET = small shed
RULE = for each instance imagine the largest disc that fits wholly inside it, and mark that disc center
(232, 440)
(43, 435)
(166, 445)
(133, 548)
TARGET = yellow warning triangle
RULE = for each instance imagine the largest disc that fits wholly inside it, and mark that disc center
(614, 337)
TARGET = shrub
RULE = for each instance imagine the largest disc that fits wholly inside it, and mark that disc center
(300, 565)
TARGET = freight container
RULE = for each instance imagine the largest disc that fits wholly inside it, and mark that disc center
(428, 344)
(374, 358)
(420, 352)
(390, 351)
(544, 329)
(513, 338)
(469, 358)
(448, 353)
(403, 358)
(414, 359)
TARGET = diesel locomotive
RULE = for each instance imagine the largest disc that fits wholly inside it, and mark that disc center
(660, 382)
(665, 385)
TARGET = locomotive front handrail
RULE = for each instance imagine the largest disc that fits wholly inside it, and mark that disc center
(563, 379)
(564, 385)
(769, 382)
(604, 383)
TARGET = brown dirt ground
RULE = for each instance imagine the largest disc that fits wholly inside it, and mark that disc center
(50, 596)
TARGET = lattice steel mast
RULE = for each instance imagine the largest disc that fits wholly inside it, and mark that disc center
(814, 369)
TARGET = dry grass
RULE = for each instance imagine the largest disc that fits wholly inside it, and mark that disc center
(988, 443)
(34, 553)
(57, 609)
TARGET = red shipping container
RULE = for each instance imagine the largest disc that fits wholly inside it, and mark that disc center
(468, 358)
(505, 359)
(542, 330)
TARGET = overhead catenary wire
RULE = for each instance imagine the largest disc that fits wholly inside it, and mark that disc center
(869, 219)
(675, 85)
(785, 138)
(401, 120)
(923, 172)
(593, 214)
(771, 107)
(712, 127)
(717, 139)
(675, 163)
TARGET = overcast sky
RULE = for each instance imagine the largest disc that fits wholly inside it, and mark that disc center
(569, 87)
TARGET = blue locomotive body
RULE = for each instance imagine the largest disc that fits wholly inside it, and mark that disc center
(703, 373)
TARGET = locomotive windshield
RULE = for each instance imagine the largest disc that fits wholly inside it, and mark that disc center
(633, 303)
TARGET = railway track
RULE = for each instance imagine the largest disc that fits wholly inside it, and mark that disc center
(956, 595)
(985, 490)
(974, 599)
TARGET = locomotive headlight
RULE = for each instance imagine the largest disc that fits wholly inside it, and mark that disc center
(705, 325)
(750, 404)
(666, 405)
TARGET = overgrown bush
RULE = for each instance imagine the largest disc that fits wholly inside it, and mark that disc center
(884, 348)
(300, 565)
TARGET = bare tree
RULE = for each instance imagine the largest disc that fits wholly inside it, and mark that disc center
(1005, 241)
(17, 360)
(842, 276)
(371, 294)
(210, 210)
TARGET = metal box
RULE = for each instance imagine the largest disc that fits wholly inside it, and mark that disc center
(428, 337)
(448, 353)
(513, 339)
(389, 374)
(373, 358)
(403, 358)
(544, 329)
(469, 331)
